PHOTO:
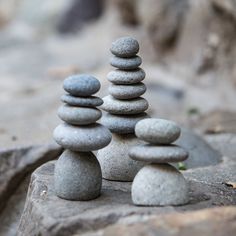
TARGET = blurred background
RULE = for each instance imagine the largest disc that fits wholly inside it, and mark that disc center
(188, 49)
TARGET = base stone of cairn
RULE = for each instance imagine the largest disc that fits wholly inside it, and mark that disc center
(159, 183)
(124, 108)
(78, 173)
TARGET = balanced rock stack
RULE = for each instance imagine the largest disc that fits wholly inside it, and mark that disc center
(158, 183)
(77, 174)
(125, 108)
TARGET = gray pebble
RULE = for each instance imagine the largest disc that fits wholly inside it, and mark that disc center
(81, 85)
(125, 47)
(77, 176)
(126, 77)
(91, 101)
(127, 91)
(159, 185)
(79, 115)
(158, 154)
(82, 138)
(157, 131)
(122, 124)
(124, 107)
(126, 63)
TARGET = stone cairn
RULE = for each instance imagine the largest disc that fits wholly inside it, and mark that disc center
(125, 108)
(158, 183)
(77, 174)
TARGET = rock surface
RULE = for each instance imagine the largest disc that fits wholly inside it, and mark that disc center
(126, 63)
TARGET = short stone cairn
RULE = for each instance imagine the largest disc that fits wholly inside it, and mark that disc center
(125, 108)
(77, 174)
(158, 183)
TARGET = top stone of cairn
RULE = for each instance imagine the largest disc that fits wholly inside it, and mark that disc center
(125, 47)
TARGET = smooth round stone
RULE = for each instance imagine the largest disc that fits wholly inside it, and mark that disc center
(126, 77)
(125, 47)
(158, 154)
(159, 185)
(81, 85)
(124, 107)
(82, 101)
(115, 161)
(77, 176)
(79, 115)
(127, 91)
(126, 63)
(157, 131)
(122, 124)
(82, 138)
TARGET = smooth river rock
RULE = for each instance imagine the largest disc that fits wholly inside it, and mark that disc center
(127, 91)
(126, 63)
(79, 115)
(82, 138)
(157, 131)
(125, 47)
(124, 107)
(81, 85)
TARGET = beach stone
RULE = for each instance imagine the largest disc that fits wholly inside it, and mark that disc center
(126, 77)
(157, 131)
(125, 47)
(82, 138)
(122, 124)
(126, 63)
(124, 107)
(79, 115)
(90, 101)
(77, 176)
(159, 185)
(158, 154)
(81, 85)
(115, 161)
(127, 91)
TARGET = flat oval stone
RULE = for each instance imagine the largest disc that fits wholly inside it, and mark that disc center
(122, 124)
(158, 154)
(82, 138)
(127, 91)
(157, 131)
(91, 101)
(81, 85)
(126, 77)
(126, 63)
(124, 107)
(125, 47)
(79, 115)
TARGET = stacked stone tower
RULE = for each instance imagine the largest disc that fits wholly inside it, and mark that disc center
(77, 173)
(125, 108)
(158, 183)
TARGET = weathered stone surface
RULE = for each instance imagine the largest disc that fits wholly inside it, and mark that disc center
(47, 214)
(15, 164)
(126, 63)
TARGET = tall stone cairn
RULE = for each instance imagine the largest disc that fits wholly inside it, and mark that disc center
(125, 108)
(77, 174)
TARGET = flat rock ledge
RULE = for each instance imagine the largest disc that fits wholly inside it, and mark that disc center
(46, 214)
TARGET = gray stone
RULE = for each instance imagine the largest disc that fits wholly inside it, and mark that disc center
(158, 154)
(127, 91)
(115, 161)
(126, 77)
(125, 47)
(82, 138)
(122, 124)
(77, 176)
(126, 63)
(159, 185)
(81, 85)
(90, 101)
(124, 107)
(157, 131)
(79, 115)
